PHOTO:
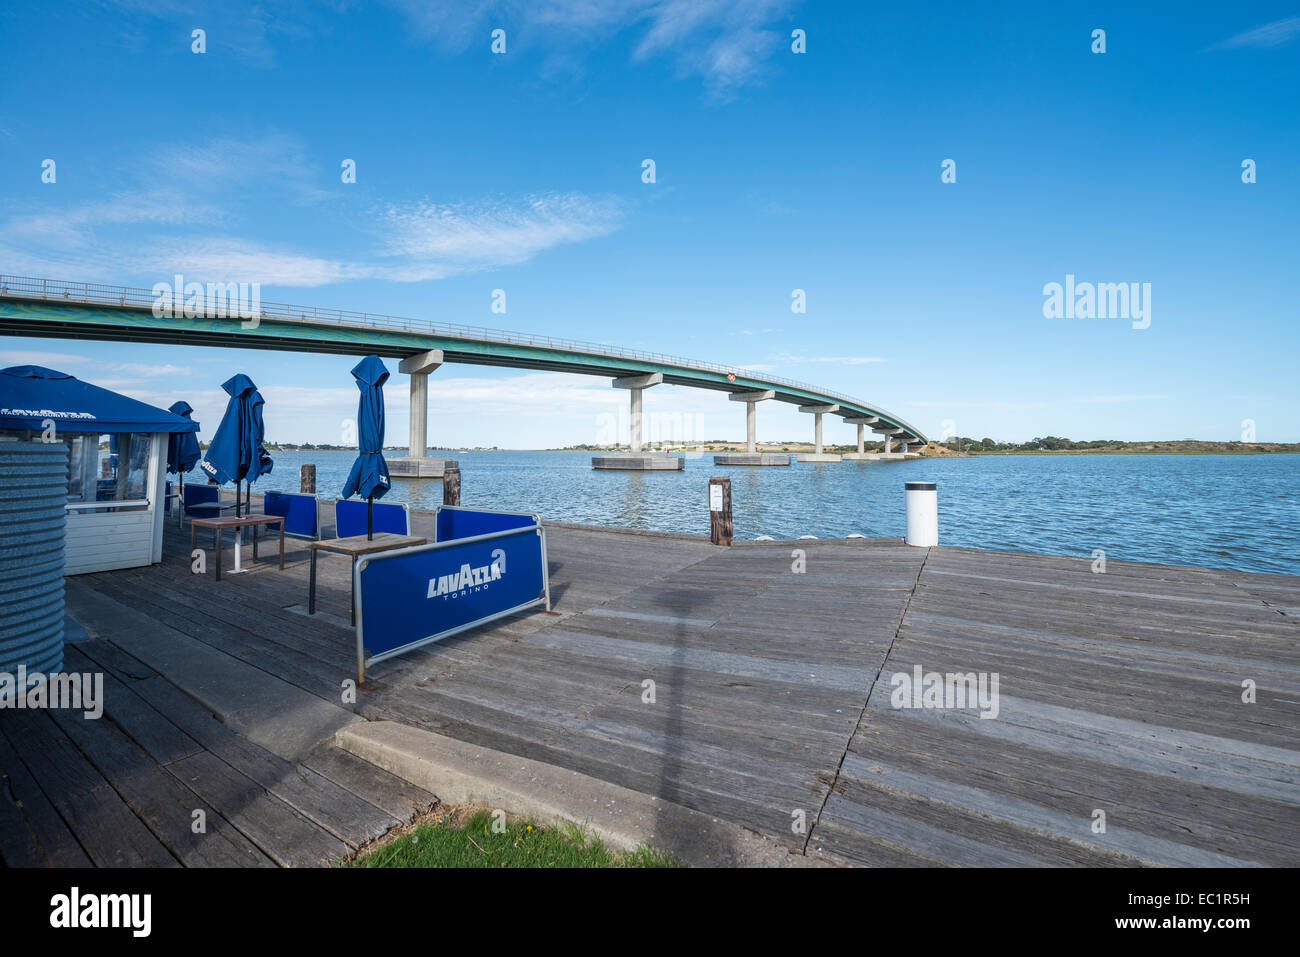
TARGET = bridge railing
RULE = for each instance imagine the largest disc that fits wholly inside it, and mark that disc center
(219, 306)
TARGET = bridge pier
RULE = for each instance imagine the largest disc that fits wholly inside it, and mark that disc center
(417, 464)
(819, 455)
(635, 459)
(861, 455)
(890, 433)
(751, 455)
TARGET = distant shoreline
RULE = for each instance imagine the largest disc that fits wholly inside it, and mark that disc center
(794, 447)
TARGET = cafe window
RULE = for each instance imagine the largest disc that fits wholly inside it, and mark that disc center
(108, 468)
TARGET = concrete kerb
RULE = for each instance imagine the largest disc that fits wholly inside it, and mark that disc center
(462, 773)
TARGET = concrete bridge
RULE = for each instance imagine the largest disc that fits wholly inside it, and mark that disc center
(57, 309)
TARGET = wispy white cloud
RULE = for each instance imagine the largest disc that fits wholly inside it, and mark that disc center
(275, 161)
(974, 404)
(842, 360)
(434, 240)
(1113, 399)
(179, 218)
(1016, 405)
(1270, 35)
(724, 42)
(150, 369)
(51, 360)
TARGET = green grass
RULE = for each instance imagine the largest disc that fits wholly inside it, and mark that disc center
(520, 844)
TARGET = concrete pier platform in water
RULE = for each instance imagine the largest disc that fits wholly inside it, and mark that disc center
(879, 456)
(819, 457)
(640, 462)
(1162, 700)
(751, 458)
(405, 466)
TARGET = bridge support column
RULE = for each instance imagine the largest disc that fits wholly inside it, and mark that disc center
(751, 455)
(890, 433)
(419, 415)
(417, 464)
(817, 411)
(862, 422)
(635, 459)
(634, 421)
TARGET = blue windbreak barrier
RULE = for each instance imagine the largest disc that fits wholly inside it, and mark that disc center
(350, 519)
(200, 495)
(413, 596)
(454, 522)
(369, 475)
(298, 510)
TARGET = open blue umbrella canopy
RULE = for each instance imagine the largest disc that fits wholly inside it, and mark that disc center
(31, 395)
(369, 475)
(182, 447)
(236, 451)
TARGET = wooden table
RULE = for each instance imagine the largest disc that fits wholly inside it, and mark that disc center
(238, 523)
(354, 546)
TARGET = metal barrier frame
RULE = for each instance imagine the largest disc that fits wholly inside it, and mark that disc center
(537, 520)
(403, 506)
(543, 599)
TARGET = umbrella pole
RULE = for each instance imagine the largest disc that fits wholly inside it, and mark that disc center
(370, 516)
(239, 496)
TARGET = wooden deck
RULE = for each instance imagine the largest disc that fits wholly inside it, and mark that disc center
(1119, 693)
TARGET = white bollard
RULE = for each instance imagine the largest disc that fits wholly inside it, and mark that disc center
(922, 513)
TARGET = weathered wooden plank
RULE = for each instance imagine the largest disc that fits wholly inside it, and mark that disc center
(166, 807)
(396, 797)
(148, 728)
(1257, 829)
(107, 830)
(328, 805)
(1074, 826)
(284, 835)
(32, 834)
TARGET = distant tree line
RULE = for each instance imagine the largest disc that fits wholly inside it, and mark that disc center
(1046, 443)
(1056, 443)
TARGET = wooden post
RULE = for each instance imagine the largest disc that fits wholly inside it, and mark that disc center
(451, 486)
(307, 479)
(720, 528)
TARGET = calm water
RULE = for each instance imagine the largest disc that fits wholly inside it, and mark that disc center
(1225, 511)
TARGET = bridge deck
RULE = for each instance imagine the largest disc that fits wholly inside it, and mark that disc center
(48, 308)
(1119, 692)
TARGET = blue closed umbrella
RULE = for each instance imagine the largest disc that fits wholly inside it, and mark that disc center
(369, 475)
(236, 453)
(183, 451)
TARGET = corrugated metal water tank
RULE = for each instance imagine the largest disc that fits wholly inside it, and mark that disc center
(33, 492)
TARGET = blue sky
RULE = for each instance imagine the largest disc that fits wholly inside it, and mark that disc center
(775, 171)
